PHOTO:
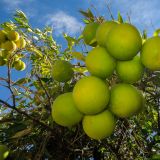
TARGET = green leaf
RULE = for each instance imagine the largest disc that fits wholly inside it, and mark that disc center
(22, 133)
(120, 19)
(78, 55)
(22, 81)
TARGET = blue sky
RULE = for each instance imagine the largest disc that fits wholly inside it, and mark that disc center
(63, 15)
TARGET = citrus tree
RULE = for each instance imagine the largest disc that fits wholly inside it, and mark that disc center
(97, 98)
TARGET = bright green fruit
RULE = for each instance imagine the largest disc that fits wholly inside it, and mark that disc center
(125, 100)
(91, 95)
(99, 126)
(9, 46)
(2, 61)
(89, 33)
(6, 54)
(150, 54)
(62, 71)
(99, 63)
(3, 36)
(130, 71)
(123, 41)
(13, 35)
(64, 111)
(4, 152)
(19, 65)
(103, 31)
(21, 43)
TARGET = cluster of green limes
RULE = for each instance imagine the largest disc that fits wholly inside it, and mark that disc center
(116, 48)
(10, 41)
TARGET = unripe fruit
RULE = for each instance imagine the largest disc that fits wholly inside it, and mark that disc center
(125, 100)
(89, 33)
(3, 36)
(123, 41)
(9, 46)
(64, 111)
(6, 54)
(2, 61)
(4, 152)
(62, 71)
(150, 54)
(19, 65)
(99, 63)
(130, 71)
(91, 95)
(99, 126)
(21, 43)
(13, 35)
(103, 31)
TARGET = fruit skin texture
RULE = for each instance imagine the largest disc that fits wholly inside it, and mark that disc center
(99, 63)
(91, 95)
(99, 126)
(62, 71)
(9, 46)
(130, 71)
(125, 100)
(150, 54)
(4, 152)
(89, 33)
(21, 43)
(64, 111)
(19, 65)
(123, 41)
(13, 35)
(3, 36)
(103, 31)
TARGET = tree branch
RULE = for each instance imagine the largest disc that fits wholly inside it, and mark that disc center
(27, 115)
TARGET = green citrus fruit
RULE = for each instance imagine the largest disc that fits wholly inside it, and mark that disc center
(3, 36)
(9, 46)
(13, 35)
(21, 43)
(99, 62)
(99, 126)
(125, 100)
(2, 61)
(91, 95)
(103, 31)
(62, 71)
(4, 152)
(89, 33)
(19, 65)
(64, 111)
(123, 41)
(6, 54)
(130, 71)
(150, 54)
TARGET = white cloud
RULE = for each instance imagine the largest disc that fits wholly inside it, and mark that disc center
(143, 13)
(64, 23)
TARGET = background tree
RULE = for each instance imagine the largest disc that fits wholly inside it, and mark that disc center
(26, 125)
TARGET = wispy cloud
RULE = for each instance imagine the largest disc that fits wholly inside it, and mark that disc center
(64, 23)
(143, 13)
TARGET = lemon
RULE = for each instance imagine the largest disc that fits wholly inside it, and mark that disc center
(150, 54)
(99, 126)
(130, 71)
(103, 31)
(123, 41)
(64, 111)
(89, 33)
(91, 95)
(99, 63)
(62, 71)
(125, 100)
